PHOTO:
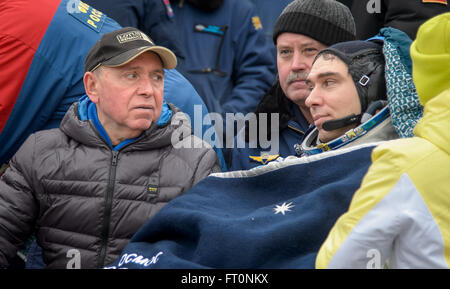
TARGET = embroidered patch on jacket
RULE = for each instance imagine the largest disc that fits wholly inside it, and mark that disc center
(256, 22)
(264, 159)
(435, 1)
(87, 15)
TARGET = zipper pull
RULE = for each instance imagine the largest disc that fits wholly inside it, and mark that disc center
(115, 155)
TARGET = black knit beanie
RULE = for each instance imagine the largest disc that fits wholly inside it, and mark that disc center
(326, 21)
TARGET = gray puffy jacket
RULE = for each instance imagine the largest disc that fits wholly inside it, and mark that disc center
(77, 193)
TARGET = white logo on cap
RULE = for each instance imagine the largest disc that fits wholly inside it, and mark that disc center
(132, 36)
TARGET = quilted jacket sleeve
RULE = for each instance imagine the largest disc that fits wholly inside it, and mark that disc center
(208, 164)
(18, 205)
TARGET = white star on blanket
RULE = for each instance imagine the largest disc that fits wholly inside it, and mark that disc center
(283, 208)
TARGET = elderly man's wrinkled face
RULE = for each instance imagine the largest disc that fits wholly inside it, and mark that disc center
(333, 95)
(129, 97)
(295, 54)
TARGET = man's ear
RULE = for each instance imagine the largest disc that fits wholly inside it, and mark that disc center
(91, 85)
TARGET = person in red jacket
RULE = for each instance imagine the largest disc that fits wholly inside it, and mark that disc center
(42, 46)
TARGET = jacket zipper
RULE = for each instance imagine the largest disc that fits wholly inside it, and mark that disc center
(108, 208)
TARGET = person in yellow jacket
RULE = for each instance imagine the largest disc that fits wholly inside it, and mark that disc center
(400, 216)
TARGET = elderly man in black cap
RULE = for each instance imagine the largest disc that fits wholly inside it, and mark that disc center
(86, 187)
(303, 29)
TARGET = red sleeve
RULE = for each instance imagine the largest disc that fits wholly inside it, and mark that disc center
(23, 25)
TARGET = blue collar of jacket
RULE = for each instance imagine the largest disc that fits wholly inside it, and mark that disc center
(87, 110)
(299, 123)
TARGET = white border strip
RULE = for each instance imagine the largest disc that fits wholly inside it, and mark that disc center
(290, 161)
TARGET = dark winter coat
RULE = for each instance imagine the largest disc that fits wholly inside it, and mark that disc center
(227, 58)
(80, 194)
(405, 15)
(291, 131)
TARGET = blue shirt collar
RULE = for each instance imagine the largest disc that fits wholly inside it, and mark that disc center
(299, 121)
(87, 110)
(92, 115)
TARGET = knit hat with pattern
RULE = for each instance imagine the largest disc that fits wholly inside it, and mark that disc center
(326, 21)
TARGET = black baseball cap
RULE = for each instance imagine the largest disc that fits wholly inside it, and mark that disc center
(121, 46)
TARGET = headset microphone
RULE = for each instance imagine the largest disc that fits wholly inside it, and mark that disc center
(341, 122)
(351, 119)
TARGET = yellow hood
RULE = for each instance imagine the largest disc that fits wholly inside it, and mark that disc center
(430, 53)
(436, 121)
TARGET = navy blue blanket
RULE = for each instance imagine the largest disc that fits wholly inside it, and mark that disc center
(276, 216)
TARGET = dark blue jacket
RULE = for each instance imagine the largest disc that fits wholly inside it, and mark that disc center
(181, 93)
(293, 133)
(269, 11)
(227, 58)
(153, 17)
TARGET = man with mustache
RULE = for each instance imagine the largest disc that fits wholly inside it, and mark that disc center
(303, 29)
